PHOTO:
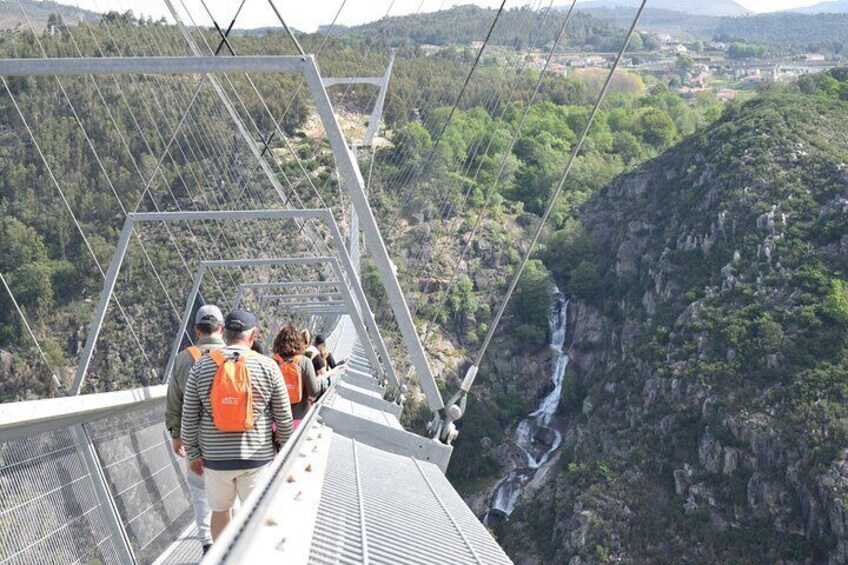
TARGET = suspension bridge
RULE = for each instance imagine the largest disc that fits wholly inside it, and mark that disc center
(89, 475)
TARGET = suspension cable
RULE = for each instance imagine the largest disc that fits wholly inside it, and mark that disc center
(72, 215)
(456, 101)
(55, 378)
(507, 153)
(497, 319)
(418, 260)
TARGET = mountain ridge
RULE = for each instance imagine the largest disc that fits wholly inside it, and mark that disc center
(691, 7)
(829, 7)
(708, 353)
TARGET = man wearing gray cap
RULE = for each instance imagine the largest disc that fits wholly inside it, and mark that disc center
(233, 461)
(208, 327)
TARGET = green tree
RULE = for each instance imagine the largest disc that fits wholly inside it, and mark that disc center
(584, 281)
(836, 302)
(656, 127)
(532, 301)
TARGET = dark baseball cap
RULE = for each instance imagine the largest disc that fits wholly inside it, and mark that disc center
(240, 321)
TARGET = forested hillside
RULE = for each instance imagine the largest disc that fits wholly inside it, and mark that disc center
(705, 403)
(463, 25)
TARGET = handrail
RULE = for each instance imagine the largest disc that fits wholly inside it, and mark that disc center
(35, 416)
(258, 501)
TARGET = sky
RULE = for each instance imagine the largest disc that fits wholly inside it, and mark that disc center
(307, 15)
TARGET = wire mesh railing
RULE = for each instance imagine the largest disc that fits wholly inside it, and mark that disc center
(91, 492)
(49, 509)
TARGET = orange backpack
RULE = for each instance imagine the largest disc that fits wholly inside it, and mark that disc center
(292, 377)
(195, 353)
(231, 394)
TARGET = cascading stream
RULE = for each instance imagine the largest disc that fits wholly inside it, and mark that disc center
(529, 431)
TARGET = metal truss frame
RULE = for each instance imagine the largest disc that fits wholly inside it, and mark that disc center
(350, 301)
(368, 139)
(349, 170)
(358, 303)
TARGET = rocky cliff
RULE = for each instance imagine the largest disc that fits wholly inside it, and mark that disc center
(705, 404)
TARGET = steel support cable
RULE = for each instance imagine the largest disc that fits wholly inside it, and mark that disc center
(101, 166)
(156, 207)
(225, 34)
(459, 96)
(416, 264)
(221, 158)
(277, 123)
(99, 161)
(302, 81)
(447, 208)
(285, 26)
(71, 213)
(244, 107)
(55, 378)
(153, 121)
(348, 87)
(266, 143)
(223, 95)
(136, 166)
(493, 187)
(282, 135)
(227, 169)
(403, 177)
(496, 321)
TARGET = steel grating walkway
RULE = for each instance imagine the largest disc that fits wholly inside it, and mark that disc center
(357, 488)
(410, 514)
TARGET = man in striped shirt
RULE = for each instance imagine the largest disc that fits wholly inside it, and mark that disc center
(233, 463)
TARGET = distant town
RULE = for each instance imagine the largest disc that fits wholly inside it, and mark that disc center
(724, 70)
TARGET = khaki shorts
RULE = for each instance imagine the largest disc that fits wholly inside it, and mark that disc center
(223, 486)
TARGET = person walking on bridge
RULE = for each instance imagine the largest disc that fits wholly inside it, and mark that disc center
(209, 328)
(233, 397)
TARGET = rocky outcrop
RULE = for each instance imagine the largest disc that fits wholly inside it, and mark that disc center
(713, 425)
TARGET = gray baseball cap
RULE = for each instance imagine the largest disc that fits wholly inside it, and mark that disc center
(209, 315)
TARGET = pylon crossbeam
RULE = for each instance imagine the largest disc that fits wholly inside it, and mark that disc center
(358, 302)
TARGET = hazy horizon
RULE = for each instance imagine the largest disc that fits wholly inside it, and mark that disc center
(308, 17)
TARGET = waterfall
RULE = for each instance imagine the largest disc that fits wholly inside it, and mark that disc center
(508, 492)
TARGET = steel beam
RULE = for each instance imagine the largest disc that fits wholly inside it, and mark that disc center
(287, 284)
(100, 314)
(314, 295)
(328, 82)
(377, 112)
(320, 310)
(354, 185)
(316, 305)
(189, 306)
(367, 314)
(226, 215)
(66, 66)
